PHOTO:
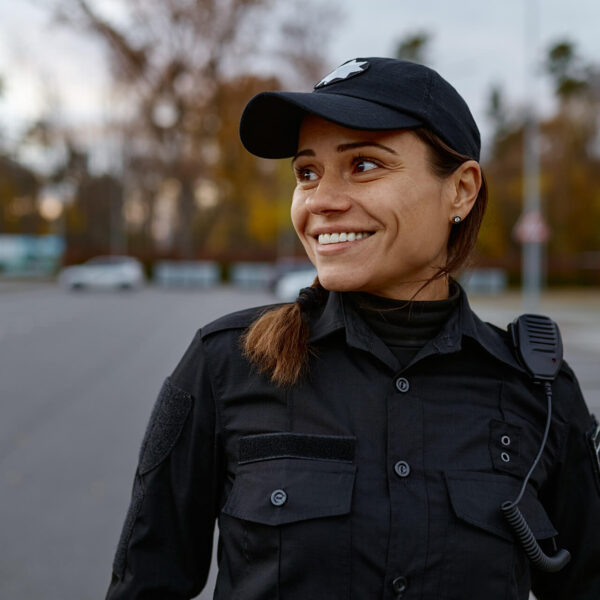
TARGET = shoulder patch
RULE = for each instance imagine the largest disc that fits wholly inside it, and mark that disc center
(593, 437)
(168, 417)
(236, 320)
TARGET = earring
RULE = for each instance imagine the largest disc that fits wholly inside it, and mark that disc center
(456, 219)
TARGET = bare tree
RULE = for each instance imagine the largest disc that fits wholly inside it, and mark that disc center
(176, 63)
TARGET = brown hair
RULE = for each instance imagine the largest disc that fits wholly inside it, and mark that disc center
(277, 342)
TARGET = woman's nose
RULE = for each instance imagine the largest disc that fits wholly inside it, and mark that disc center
(329, 196)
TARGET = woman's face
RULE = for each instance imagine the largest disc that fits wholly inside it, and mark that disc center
(377, 188)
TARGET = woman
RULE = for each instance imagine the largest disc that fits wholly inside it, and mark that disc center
(360, 442)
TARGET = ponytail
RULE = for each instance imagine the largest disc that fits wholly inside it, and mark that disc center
(277, 342)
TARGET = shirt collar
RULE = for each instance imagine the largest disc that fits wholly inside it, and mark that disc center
(338, 315)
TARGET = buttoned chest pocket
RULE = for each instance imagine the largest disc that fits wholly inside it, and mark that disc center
(287, 519)
(483, 557)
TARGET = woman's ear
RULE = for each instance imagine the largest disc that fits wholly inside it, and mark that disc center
(465, 183)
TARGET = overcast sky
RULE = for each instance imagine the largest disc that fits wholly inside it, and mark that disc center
(475, 44)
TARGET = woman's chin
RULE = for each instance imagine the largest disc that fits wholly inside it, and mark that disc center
(337, 281)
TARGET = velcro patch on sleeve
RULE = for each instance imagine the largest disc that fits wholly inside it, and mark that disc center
(168, 417)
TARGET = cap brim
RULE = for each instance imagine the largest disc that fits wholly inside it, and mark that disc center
(271, 120)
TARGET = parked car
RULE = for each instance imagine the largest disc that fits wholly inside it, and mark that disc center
(286, 265)
(287, 286)
(113, 272)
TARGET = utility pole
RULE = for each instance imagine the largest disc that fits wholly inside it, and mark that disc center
(531, 258)
(531, 229)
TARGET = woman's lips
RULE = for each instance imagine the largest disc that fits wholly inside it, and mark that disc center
(344, 236)
(338, 246)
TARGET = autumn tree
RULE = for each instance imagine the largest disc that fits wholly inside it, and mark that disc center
(93, 226)
(568, 71)
(19, 187)
(571, 176)
(185, 70)
(570, 170)
(91, 204)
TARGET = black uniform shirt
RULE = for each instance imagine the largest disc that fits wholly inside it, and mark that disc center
(367, 480)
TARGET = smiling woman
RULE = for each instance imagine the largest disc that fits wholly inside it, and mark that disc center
(368, 440)
(405, 190)
(379, 186)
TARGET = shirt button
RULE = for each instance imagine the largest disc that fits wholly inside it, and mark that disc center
(402, 468)
(399, 586)
(278, 498)
(402, 384)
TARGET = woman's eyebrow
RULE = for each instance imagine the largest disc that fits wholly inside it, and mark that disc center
(351, 146)
(345, 147)
(307, 152)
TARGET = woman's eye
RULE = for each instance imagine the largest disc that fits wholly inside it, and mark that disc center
(365, 165)
(306, 175)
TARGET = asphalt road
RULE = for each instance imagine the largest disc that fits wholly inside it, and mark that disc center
(78, 377)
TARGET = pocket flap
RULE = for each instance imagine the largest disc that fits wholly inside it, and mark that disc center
(285, 490)
(476, 499)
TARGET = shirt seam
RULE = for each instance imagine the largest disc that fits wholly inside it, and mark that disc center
(218, 450)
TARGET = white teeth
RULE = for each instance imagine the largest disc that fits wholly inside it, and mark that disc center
(334, 238)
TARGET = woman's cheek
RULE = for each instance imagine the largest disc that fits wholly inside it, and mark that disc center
(299, 214)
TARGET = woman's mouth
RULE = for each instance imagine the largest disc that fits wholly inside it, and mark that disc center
(336, 238)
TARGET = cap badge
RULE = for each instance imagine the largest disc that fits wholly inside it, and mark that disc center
(348, 69)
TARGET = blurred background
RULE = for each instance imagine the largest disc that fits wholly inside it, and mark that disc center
(130, 215)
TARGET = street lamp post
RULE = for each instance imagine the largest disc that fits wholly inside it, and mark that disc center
(531, 229)
(532, 245)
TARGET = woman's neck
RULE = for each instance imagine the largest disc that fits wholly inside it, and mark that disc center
(405, 326)
(436, 289)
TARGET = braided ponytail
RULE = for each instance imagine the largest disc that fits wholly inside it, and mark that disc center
(277, 342)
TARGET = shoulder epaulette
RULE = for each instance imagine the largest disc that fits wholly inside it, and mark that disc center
(240, 319)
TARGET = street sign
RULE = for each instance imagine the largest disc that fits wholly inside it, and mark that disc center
(531, 228)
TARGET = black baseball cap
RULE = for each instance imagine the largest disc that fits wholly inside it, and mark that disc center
(363, 93)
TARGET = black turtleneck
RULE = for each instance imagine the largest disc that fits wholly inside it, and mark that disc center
(405, 326)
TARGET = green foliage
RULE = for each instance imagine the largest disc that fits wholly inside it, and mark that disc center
(569, 74)
(414, 47)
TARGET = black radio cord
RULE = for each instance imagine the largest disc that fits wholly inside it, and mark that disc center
(517, 521)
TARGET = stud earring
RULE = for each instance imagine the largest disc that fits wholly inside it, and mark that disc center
(456, 219)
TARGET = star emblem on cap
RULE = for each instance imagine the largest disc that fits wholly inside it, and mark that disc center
(348, 69)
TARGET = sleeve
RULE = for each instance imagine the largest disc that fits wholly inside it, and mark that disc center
(165, 547)
(572, 499)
